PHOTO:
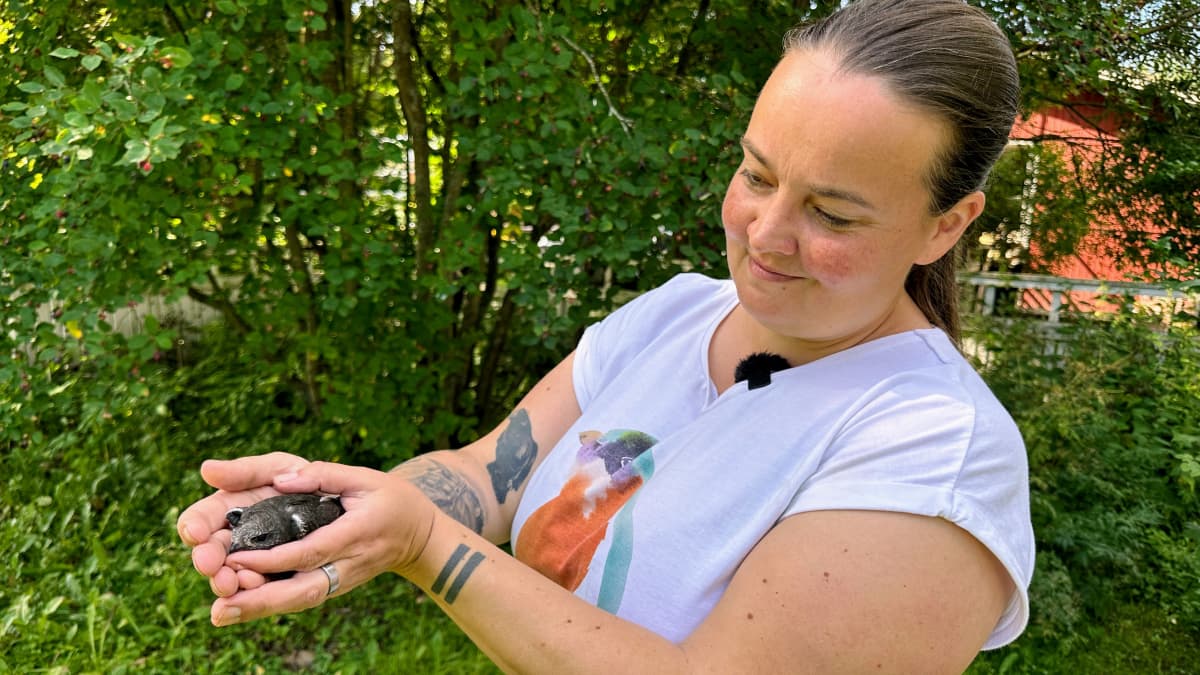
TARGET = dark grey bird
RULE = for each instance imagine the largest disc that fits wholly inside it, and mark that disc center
(279, 520)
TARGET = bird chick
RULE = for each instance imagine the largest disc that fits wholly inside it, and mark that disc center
(279, 520)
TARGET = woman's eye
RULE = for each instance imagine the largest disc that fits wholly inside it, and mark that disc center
(752, 179)
(830, 219)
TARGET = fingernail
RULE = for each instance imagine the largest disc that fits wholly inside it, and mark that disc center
(230, 615)
(286, 477)
(185, 533)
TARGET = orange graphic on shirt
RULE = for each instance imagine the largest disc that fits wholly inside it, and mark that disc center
(560, 537)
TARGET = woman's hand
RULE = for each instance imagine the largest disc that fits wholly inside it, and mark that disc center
(202, 525)
(385, 527)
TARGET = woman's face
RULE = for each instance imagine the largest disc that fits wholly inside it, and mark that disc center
(829, 210)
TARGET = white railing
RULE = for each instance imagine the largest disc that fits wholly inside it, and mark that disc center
(1079, 294)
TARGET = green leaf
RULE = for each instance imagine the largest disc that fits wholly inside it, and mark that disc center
(234, 81)
(180, 57)
(64, 53)
(91, 61)
(226, 7)
(54, 76)
(31, 87)
(86, 102)
(152, 77)
(135, 151)
(124, 109)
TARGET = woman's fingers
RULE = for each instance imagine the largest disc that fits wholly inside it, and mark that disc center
(303, 591)
(240, 482)
(357, 529)
(224, 583)
(248, 579)
(246, 473)
(330, 478)
(383, 515)
(209, 557)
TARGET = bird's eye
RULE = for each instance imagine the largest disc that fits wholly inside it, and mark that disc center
(261, 538)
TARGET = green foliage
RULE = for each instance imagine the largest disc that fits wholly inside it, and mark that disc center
(372, 230)
(1108, 411)
(1124, 70)
(1032, 185)
(401, 220)
(391, 218)
(97, 581)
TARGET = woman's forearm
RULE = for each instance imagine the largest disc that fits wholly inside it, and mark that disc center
(525, 622)
(449, 478)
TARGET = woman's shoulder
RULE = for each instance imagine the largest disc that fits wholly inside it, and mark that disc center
(680, 298)
(687, 286)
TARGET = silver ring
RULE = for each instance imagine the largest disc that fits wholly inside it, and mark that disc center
(334, 580)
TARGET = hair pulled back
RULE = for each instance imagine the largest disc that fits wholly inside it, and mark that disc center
(948, 59)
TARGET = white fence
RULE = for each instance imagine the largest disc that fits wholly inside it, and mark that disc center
(1051, 296)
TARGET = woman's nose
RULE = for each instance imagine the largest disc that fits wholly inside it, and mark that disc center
(774, 230)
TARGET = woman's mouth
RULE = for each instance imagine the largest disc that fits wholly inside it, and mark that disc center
(761, 271)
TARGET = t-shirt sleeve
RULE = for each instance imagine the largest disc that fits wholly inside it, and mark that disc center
(916, 446)
(609, 344)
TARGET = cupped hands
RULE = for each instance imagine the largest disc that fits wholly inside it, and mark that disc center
(385, 527)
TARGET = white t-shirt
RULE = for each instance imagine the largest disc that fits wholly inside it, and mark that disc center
(650, 502)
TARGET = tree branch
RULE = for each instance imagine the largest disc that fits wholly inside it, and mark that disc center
(625, 122)
(1184, 19)
(219, 300)
(685, 53)
(176, 22)
(296, 261)
(497, 342)
(416, 122)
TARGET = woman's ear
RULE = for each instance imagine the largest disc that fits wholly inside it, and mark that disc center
(949, 227)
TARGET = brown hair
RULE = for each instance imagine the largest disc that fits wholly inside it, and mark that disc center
(949, 59)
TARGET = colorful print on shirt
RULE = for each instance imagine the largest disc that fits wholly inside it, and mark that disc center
(560, 538)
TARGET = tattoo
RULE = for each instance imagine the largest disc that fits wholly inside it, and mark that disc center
(448, 491)
(450, 565)
(515, 452)
(463, 574)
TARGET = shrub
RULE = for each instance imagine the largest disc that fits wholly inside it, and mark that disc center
(1108, 409)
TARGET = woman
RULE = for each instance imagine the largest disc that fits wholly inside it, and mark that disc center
(862, 507)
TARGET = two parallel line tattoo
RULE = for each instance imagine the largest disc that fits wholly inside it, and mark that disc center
(463, 574)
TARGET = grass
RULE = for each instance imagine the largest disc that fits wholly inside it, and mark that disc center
(93, 579)
(1135, 640)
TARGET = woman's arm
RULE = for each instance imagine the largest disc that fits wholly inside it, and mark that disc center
(481, 484)
(824, 592)
(478, 485)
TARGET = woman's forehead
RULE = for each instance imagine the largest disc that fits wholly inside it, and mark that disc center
(816, 117)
